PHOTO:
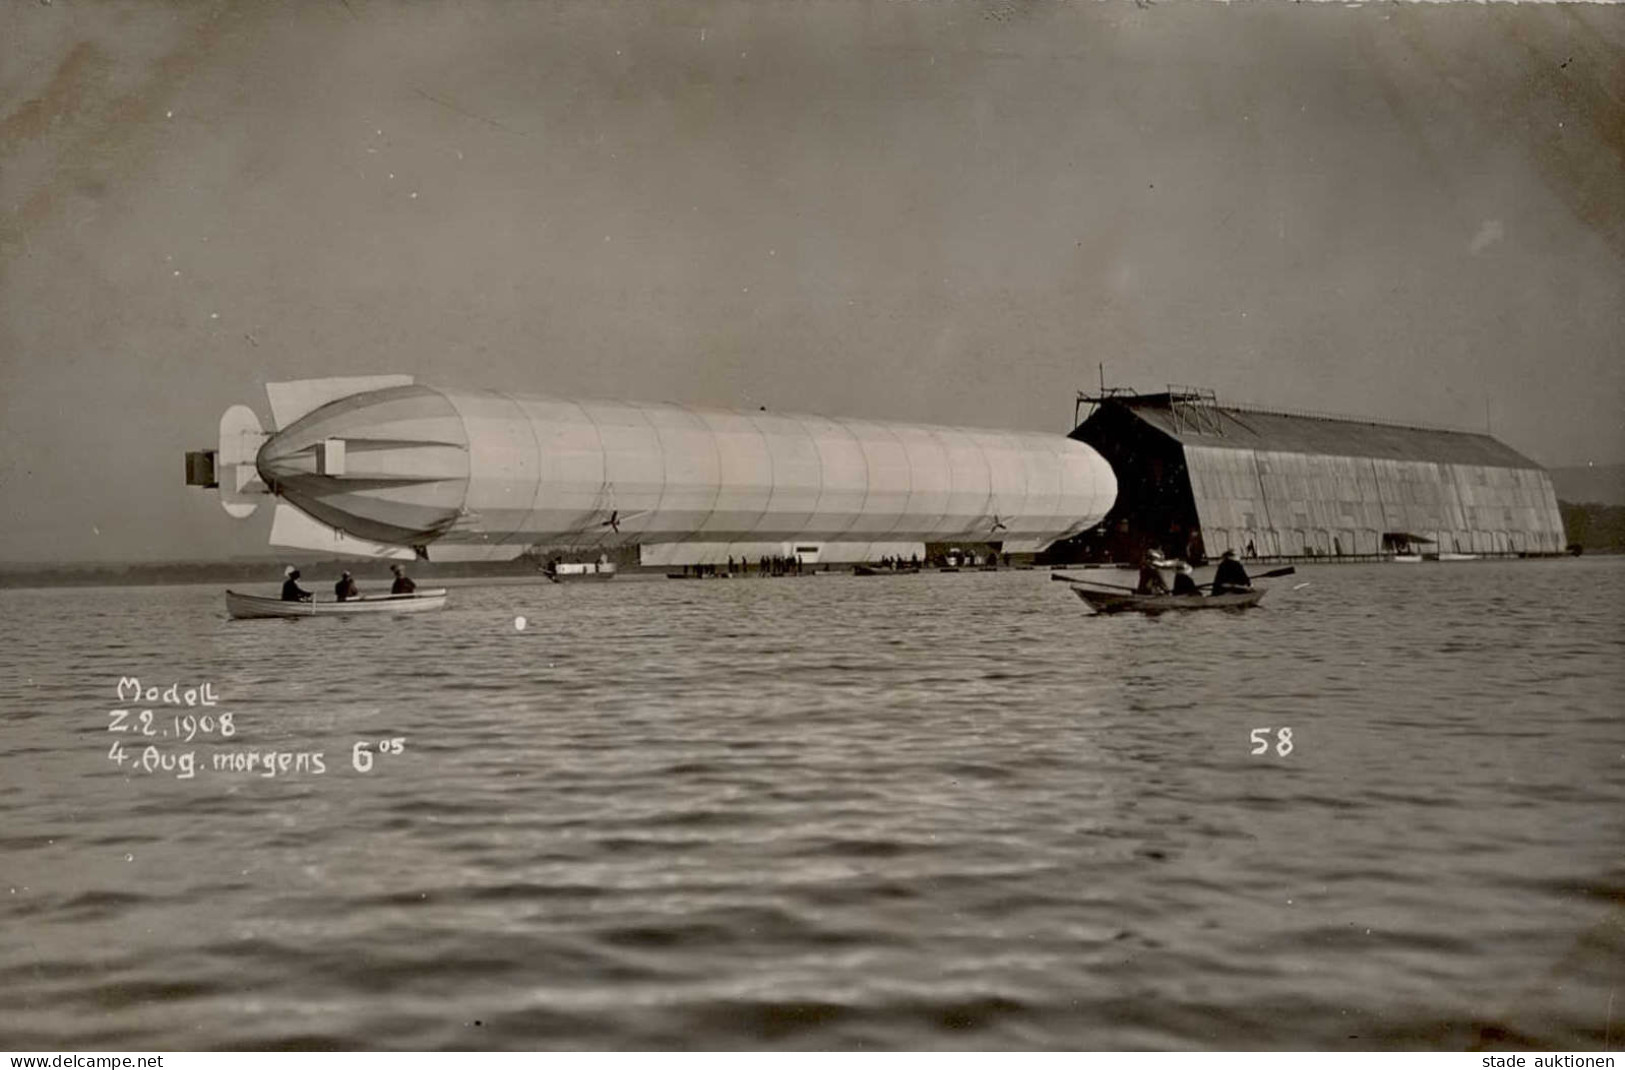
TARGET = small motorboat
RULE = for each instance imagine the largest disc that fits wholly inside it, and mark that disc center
(1405, 548)
(1118, 602)
(252, 606)
(584, 572)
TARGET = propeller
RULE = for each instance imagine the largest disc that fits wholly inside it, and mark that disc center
(616, 519)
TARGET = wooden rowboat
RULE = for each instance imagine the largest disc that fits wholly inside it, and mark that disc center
(1116, 602)
(253, 606)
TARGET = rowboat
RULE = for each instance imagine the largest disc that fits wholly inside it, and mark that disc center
(1116, 602)
(1457, 557)
(252, 606)
(1406, 559)
(872, 570)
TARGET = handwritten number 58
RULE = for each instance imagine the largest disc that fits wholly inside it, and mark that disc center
(1261, 741)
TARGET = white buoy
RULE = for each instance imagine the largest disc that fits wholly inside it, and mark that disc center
(519, 624)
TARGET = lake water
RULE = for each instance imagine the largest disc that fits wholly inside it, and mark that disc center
(946, 810)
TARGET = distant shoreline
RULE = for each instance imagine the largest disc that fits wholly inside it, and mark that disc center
(313, 573)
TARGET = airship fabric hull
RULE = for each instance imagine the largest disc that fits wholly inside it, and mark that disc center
(419, 466)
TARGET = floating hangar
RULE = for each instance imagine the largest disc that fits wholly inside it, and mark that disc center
(384, 467)
(1198, 478)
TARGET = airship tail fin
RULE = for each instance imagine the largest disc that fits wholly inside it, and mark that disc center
(293, 530)
(230, 469)
(299, 397)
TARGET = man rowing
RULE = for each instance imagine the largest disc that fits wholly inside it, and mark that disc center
(1231, 577)
(291, 591)
(1151, 581)
(1184, 582)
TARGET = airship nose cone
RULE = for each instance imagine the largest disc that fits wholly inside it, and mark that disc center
(389, 465)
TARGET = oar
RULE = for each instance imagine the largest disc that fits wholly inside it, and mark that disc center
(1092, 583)
(1289, 570)
(1060, 578)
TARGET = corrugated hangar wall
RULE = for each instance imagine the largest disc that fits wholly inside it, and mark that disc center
(1296, 504)
(1279, 484)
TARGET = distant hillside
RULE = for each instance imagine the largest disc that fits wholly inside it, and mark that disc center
(1601, 483)
(1595, 528)
(316, 572)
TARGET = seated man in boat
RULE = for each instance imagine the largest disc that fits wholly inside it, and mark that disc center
(1184, 584)
(1231, 577)
(1151, 581)
(345, 589)
(291, 591)
(403, 583)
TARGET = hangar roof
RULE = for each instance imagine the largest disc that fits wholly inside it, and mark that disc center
(1197, 420)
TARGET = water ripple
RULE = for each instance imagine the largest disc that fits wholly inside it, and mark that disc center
(959, 811)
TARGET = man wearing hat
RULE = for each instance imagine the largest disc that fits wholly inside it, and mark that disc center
(403, 583)
(1231, 576)
(291, 591)
(345, 588)
(1151, 581)
(1184, 582)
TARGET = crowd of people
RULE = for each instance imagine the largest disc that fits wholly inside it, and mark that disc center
(344, 589)
(768, 565)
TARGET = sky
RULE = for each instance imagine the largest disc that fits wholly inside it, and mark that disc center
(923, 210)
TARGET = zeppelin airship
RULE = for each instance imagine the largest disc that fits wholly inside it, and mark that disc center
(383, 466)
